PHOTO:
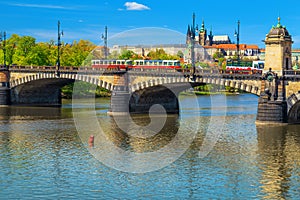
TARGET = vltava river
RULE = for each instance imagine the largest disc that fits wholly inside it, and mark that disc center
(44, 155)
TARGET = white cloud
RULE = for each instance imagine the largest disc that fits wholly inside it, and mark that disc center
(41, 6)
(135, 6)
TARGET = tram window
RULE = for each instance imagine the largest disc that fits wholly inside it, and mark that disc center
(261, 65)
(255, 66)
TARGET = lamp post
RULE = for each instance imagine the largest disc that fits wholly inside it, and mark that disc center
(237, 35)
(193, 34)
(59, 34)
(3, 39)
(104, 37)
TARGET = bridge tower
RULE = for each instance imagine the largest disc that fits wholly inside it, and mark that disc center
(4, 87)
(272, 105)
(278, 49)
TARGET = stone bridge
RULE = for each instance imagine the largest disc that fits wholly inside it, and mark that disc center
(277, 86)
(140, 90)
(42, 86)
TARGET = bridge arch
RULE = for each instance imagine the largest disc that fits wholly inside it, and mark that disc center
(165, 90)
(250, 86)
(44, 89)
(293, 108)
(79, 77)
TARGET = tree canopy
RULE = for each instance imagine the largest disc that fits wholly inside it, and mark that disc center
(24, 50)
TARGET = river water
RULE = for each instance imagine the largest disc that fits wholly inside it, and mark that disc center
(222, 155)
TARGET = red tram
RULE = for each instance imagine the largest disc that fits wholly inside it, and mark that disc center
(136, 64)
(245, 65)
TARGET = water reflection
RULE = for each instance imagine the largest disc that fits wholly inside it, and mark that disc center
(20, 113)
(42, 156)
(279, 153)
(129, 140)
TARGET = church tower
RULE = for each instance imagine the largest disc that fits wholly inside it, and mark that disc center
(202, 35)
(188, 35)
(278, 49)
(209, 39)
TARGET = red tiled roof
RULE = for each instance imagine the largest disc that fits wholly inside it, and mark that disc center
(234, 46)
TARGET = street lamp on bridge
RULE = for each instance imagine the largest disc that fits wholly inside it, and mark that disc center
(237, 35)
(3, 40)
(193, 35)
(104, 37)
(59, 34)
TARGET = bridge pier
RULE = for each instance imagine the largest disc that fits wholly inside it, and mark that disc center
(272, 104)
(4, 96)
(119, 104)
(4, 88)
(271, 111)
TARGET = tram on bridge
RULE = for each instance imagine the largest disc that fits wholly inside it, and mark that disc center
(257, 65)
(136, 64)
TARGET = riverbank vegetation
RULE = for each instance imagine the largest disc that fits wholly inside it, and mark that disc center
(83, 89)
(211, 89)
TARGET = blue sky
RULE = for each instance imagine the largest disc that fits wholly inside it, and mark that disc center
(146, 21)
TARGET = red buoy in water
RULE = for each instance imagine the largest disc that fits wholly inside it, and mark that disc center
(91, 141)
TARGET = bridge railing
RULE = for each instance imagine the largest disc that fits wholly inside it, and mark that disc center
(156, 72)
(41, 68)
(292, 72)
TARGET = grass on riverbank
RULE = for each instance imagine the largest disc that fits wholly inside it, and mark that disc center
(208, 93)
(84, 90)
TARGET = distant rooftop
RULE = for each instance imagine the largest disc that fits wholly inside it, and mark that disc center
(152, 46)
(217, 38)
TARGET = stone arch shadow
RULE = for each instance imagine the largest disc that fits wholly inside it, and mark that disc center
(45, 89)
(165, 91)
(293, 108)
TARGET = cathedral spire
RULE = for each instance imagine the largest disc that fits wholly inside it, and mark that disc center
(188, 31)
(202, 27)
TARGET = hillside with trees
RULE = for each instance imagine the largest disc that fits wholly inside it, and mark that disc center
(24, 50)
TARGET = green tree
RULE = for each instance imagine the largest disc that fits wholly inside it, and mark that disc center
(25, 45)
(180, 54)
(217, 55)
(160, 54)
(11, 47)
(127, 54)
(77, 53)
(39, 55)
